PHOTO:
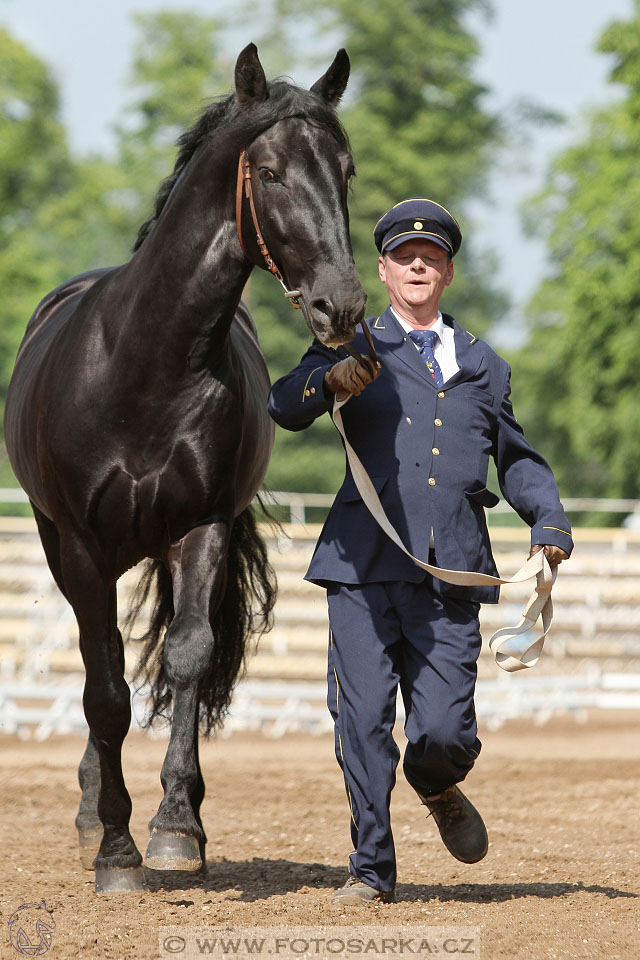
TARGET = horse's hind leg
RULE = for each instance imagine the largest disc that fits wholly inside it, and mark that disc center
(50, 539)
(107, 708)
(197, 566)
(87, 821)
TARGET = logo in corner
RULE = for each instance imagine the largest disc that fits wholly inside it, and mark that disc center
(30, 929)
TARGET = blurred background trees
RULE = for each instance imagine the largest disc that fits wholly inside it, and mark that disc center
(578, 374)
(417, 123)
(34, 165)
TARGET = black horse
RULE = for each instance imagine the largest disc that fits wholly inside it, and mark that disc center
(136, 421)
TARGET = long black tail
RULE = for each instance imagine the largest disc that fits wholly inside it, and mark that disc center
(244, 611)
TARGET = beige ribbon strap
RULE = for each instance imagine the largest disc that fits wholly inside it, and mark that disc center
(512, 647)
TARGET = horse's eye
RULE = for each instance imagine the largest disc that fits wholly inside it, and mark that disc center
(268, 176)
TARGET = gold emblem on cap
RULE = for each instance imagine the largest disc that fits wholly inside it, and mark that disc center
(417, 225)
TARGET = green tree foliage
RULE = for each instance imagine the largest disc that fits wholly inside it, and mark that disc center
(33, 152)
(177, 69)
(577, 377)
(58, 216)
(34, 166)
(417, 128)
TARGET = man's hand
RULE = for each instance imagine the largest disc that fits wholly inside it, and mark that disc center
(554, 555)
(349, 377)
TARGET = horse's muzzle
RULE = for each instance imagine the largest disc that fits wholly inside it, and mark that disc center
(335, 325)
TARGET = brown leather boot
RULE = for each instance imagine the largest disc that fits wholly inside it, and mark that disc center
(461, 827)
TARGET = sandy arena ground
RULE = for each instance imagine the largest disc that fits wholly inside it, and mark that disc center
(561, 880)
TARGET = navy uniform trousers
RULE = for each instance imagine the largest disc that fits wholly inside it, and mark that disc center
(384, 635)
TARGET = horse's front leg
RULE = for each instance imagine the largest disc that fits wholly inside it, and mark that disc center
(88, 823)
(107, 708)
(198, 570)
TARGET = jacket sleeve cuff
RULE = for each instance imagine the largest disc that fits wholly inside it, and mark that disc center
(313, 399)
(555, 536)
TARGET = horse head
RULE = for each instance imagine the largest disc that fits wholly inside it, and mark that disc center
(299, 168)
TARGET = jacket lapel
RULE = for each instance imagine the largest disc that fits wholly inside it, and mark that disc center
(468, 356)
(387, 330)
(389, 334)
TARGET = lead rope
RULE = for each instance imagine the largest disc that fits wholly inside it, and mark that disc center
(511, 647)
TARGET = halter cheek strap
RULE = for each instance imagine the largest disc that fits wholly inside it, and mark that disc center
(244, 178)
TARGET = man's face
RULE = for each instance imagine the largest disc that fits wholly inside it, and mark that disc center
(415, 272)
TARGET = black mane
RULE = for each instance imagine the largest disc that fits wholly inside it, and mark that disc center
(284, 100)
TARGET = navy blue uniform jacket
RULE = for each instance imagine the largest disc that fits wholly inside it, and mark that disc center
(427, 452)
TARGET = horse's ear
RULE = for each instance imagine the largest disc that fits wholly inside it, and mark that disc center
(251, 83)
(332, 84)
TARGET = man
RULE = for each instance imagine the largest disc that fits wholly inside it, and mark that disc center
(423, 423)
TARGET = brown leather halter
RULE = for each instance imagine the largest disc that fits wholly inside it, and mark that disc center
(244, 188)
(244, 177)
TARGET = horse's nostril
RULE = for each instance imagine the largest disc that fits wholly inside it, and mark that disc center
(323, 306)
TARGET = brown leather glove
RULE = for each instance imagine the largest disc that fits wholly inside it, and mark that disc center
(554, 555)
(349, 377)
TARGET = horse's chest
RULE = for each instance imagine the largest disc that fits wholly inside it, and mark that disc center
(209, 462)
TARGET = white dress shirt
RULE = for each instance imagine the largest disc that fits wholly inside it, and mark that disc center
(444, 350)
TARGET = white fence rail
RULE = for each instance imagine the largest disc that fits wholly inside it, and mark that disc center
(298, 503)
(35, 710)
(596, 632)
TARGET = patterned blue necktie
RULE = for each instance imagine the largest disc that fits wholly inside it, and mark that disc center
(425, 340)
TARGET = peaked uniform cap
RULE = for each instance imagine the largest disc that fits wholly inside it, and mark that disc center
(417, 217)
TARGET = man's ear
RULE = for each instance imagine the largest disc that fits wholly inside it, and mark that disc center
(382, 269)
(449, 274)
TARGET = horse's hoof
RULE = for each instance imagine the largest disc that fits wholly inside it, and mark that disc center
(172, 851)
(119, 879)
(89, 841)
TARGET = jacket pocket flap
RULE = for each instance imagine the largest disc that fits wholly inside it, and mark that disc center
(471, 392)
(349, 491)
(483, 496)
